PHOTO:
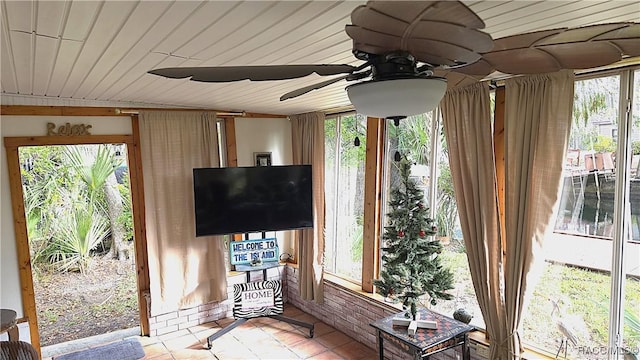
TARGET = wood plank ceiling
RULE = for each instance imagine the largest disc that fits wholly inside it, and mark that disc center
(101, 50)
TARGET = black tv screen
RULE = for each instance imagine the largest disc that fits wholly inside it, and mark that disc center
(236, 200)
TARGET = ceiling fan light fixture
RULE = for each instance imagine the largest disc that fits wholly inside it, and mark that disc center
(397, 97)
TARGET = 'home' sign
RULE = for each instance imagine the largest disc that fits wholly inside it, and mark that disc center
(256, 299)
(243, 252)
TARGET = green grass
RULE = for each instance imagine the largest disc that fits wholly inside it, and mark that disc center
(123, 300)
(583, 296)
(50, 316)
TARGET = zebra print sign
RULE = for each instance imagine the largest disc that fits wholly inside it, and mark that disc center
(256, 299)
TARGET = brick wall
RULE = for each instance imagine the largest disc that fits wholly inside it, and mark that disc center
(351, 313)
(181, 319)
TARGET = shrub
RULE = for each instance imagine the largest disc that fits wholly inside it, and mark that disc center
(604, 144)
(78, 233)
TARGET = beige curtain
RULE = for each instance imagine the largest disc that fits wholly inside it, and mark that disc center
(308, 148)
(184, 271)
(537, 125)
(467, 123)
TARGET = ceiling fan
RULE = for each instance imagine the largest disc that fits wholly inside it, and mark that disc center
(412, 49)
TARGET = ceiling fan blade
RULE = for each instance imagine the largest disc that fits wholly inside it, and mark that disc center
(408, 12)
(254, 73)
(309, 88)
(437, 32)
(552, 50)
(480, 68)
(457, 79)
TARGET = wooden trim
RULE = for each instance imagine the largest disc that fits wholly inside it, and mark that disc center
(103, 111)
(22, 245)
(20, 228)
(230, 141)
(136, 184)
(67, 140)
(261, 115)
(372, 202)
(232, 150)
(58, 110)
(499, 151)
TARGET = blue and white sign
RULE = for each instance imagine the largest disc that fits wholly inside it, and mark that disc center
(244, 252)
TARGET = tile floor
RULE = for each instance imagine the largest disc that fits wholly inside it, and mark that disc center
(259, 338)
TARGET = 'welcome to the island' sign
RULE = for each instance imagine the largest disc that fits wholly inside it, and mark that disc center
(248, 251)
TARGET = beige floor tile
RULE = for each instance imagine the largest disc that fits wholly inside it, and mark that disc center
(306, 318)
(291, 311)
(333, 339)
(173, 335)
(153, 350)
(183, 342)
(235, 354)
(226, 343)
(289, 338)
(321, 328)
(308, 348)
(193, 354)
(327, 355)
(166, 356)
(274, 351)
(352, 350)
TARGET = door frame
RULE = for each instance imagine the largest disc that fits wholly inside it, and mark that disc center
(20, 229)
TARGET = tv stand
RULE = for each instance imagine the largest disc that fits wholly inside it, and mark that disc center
(239, 321)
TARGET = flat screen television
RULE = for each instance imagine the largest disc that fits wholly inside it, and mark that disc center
(235, 200)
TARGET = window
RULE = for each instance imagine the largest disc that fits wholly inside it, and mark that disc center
(585, 278)
(345, 145)
(421, 139)
(580, 280)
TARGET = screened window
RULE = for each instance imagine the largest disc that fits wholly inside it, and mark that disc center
(592, 258)
(345, 144)
(580, 281)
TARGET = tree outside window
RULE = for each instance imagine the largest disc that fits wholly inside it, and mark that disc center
(345, 145)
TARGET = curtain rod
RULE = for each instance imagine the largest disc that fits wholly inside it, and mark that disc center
(339, 112)
(219, 113)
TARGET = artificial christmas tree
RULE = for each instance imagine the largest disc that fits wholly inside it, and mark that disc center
(411, 263)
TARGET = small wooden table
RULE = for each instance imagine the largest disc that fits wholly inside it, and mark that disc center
(426, 342)
(9, 324)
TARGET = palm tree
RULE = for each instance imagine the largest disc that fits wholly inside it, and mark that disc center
(96, 167)
(77, 233)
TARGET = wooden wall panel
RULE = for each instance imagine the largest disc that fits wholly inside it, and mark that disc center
(372, 202)
(22, 245)
(139, 224)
